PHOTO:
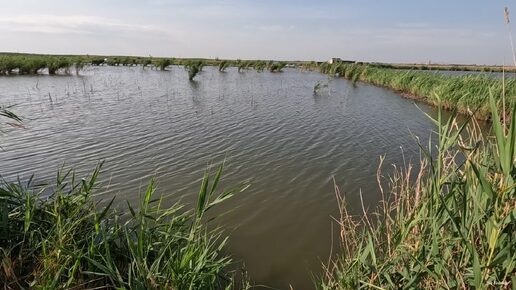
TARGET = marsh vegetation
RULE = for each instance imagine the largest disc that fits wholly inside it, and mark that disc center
(445, 222)
(453, 226)
(59, 237)
(467, 94)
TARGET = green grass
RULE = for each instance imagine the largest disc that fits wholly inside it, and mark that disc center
(59, 237)
(466, 93)
(451, 227)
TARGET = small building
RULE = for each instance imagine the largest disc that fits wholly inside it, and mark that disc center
(334, 60)
(339, 60)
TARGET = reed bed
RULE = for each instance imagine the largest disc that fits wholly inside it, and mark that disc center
(18, 64)
(448, 67)
(59, 237)
(32, 65)
(451, 227)
(467, 94)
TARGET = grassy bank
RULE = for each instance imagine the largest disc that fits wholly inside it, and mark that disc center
(58, 237)
(451, 227)
(466, 93)
(448, 67)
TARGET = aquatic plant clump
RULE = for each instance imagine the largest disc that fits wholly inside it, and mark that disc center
(277, 66)
(193, 68)
(451, 227)
(33, 64)
(163, 63)
(223, 65)
(59, 237)
(15, 63)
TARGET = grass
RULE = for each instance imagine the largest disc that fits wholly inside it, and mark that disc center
(451, 227)
(59, 237)
(465, 93)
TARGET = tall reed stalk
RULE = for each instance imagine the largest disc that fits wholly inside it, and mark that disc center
(508, 23)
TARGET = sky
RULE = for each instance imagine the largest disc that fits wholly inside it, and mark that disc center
(399, 31)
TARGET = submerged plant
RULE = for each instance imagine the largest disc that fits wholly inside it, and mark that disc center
(318, 86)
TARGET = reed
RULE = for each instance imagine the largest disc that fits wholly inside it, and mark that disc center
(451, 227)
(163, 63)
(13, 63)
(54, 65)
(193, 68)
(276, 66)
(33, 64)
(223, 65)
(259, 65)
(8, 117)
(59, 237)
(243, 65)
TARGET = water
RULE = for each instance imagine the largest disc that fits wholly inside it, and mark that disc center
(270, 128)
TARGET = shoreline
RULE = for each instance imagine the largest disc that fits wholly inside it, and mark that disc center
(467, 94)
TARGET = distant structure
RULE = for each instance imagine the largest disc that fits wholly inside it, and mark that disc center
(338, 60)
(334, 60)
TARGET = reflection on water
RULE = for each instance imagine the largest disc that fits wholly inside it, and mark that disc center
(270, 128)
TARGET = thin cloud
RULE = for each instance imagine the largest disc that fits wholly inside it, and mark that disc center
(78, 24)
(271, 28)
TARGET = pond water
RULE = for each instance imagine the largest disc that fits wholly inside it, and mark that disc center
(270, 128)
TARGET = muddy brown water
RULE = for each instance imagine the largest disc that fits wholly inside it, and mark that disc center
(270, 128)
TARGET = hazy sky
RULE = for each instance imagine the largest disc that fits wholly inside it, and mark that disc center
(456, 31)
